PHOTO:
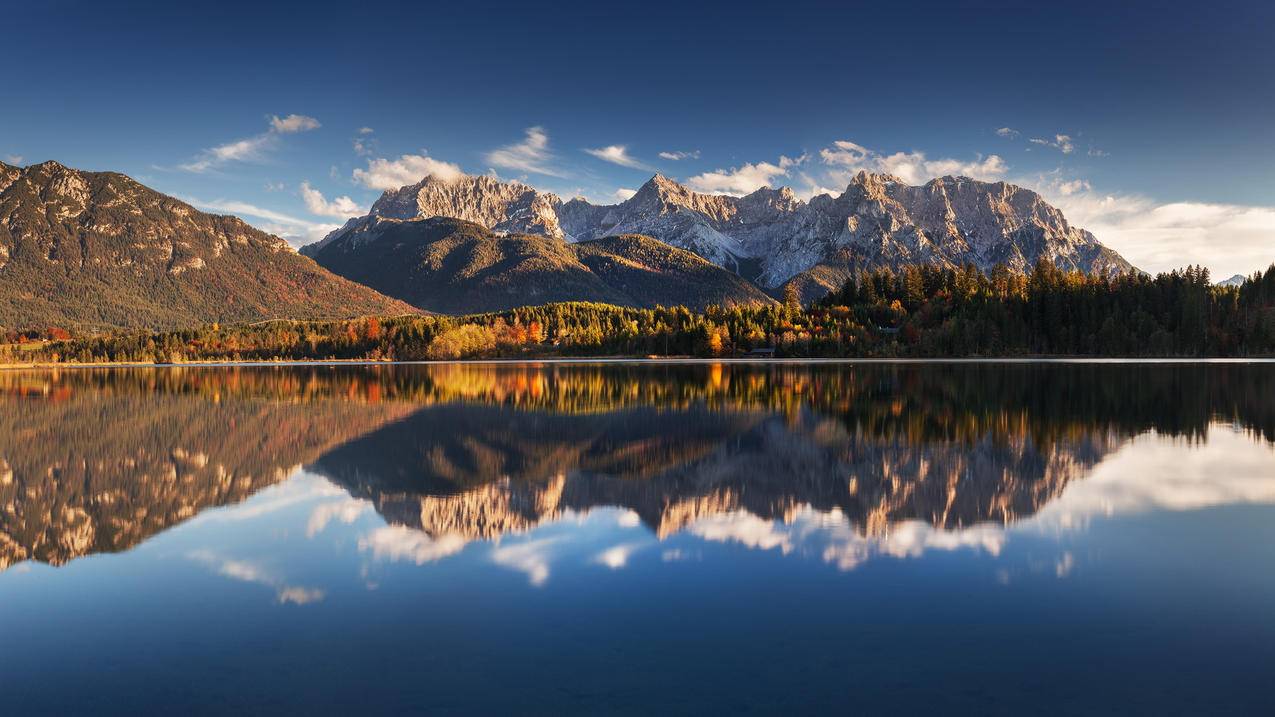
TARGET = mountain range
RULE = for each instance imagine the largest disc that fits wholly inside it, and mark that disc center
(99, 250)
(771, 237)
(92, 250)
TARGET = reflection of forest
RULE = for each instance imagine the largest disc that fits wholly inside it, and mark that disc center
(94, 461)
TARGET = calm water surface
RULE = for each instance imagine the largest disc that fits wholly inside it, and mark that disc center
(512, 539)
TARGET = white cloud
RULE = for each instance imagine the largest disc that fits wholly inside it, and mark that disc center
(617, 154)
(744, 528)
(1158, 473)
(298, 595)
(628, 519)
(835, 540)
(678, 156)
(407, 169)
(617, 556)
(275, 186)
(1007, 132)
(744, 179)
(623, 193)
(345, 511)
(397, 542)
(1095, 152)
(249, 572)
(846, 158)
(1060, 142)
(530, 155)
(365, 146)
(250, 149)
(341, 207)
(1228, 238)
(1073, 187)
(298, 232)
(530, 557)
(13, 158)
(293, 123)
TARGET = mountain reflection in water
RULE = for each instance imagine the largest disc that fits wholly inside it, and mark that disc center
(95, 461)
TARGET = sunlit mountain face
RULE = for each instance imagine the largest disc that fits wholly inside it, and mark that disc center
(875, 504)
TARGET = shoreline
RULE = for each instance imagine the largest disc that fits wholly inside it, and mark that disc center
(619, 360)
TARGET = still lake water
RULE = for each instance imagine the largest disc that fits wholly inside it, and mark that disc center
(650, 538)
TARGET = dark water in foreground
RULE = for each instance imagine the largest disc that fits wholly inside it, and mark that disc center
(972, 538)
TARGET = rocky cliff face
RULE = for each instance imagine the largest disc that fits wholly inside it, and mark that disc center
(771, 236)
(97, 249)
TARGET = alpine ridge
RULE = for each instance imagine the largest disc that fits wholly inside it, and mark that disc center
(772, 237)
(456, 266)
(91, 250)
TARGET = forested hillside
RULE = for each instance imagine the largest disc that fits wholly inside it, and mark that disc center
(921, 312)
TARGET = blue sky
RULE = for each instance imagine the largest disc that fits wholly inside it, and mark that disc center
(1151, 121)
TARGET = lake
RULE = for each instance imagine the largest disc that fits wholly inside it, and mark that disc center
(965, 538)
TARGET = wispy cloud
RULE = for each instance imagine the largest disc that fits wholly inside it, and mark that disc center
(531, 155)
(679, 155)
(250, 149)
(837, 164)
(743, 179)
(617, 556)
(292, 124)
(13, 158)
(250, 572)
(407, 169)
(618, 154)
(530, 557)
(844, 159)
(623, 193)
(297, 232)
(397, 543)
(835, 540)
(1007, 132)
(344, 511)
(364, 146)
(1060, 142)
(366, 130)
(340, 207)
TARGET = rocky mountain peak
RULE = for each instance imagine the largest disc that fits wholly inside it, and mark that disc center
(879, 220)
(495, 204)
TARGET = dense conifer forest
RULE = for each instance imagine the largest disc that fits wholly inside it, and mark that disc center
(918, 312)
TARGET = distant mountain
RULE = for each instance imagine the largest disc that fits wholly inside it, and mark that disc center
(772, 237)
(97, 249)
(456, 266)
(1237, 280)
